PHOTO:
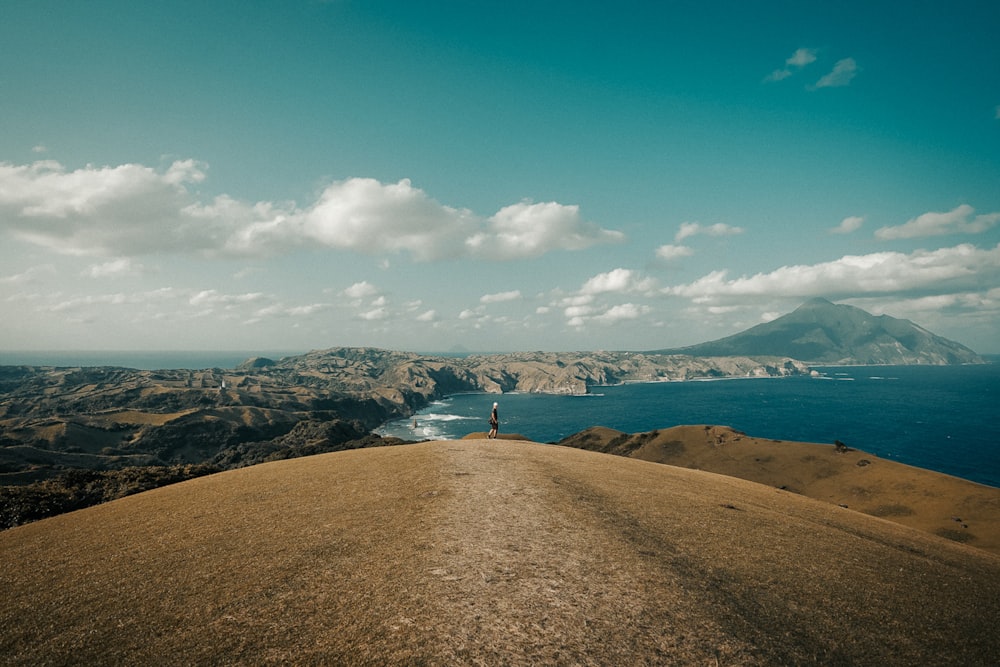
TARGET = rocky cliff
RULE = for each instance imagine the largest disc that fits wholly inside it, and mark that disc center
(55, 419)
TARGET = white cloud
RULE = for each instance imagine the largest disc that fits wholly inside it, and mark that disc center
(124, 210)
(802, 57)
(365, 215)
(309, 309)
(39, 148)
(213, 298)
(841, 75)
(529, 230)
(848, 225)
(114, 268)
(131, 210)
(578, 311)
(939, 271)
(689, 229)
(619, 281)
(427, 316)
(500, 297)
(671, 252)
(361, 290)
(624, 311)
(956, 221)
(796, 61)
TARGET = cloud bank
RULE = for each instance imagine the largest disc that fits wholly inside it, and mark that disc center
(131, 210)
(956, 221)
(959, 268)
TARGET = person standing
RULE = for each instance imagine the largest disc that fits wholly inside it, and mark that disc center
(494, 423)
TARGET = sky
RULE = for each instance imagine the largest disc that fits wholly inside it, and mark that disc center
(491, 176)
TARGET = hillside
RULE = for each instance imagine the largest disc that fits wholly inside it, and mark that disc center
(946, 506)
(488, 552)
(822, 332)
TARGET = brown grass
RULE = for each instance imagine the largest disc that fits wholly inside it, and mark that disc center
(487, 552)
(929, 501)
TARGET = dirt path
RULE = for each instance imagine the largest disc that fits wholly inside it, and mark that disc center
(489, 553)
(530, 573)
(537, 558)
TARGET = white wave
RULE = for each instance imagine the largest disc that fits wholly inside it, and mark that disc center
(442, 417)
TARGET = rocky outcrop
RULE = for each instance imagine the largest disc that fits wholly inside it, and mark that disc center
(109, 418)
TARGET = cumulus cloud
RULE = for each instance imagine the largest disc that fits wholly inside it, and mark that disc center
(689, 229)
(669, 252)
(530, 230)
(365, 215)
(361, 290)
(940, 271)
(500, 297)
(590, 302)
(956, 221)
(132, 209)
(124, 210)
(796, 61)
(842, 74)
(624, 311)
(379, 313)
(848, 225)
(619, 281)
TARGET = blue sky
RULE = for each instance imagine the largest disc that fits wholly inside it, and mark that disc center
(494, 175)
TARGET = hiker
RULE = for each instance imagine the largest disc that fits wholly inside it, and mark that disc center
(494, 423)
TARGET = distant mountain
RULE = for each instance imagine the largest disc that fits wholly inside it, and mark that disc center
(819, 331)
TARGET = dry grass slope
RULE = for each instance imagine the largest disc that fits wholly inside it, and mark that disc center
(488, 552)
(947, 506)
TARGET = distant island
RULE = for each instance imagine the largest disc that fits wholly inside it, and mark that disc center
(74, 436)
(824, 333)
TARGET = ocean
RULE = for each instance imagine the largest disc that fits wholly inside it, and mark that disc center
(942, 418)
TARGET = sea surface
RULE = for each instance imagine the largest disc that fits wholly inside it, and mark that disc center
(942, 418)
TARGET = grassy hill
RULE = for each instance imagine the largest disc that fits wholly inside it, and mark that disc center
(488, 552)
(947, 506)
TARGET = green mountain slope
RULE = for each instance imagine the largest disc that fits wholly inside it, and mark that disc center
(821, 331)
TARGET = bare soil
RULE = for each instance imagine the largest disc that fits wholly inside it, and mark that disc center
(488, 552)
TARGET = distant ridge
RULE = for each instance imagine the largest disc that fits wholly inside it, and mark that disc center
(820, 331)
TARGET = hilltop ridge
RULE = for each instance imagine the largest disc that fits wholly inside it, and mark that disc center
(492, 552)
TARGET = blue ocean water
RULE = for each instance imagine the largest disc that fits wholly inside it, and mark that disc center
(943, 418)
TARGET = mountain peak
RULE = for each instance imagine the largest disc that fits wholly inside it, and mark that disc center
(817, 302)
(820, 331)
